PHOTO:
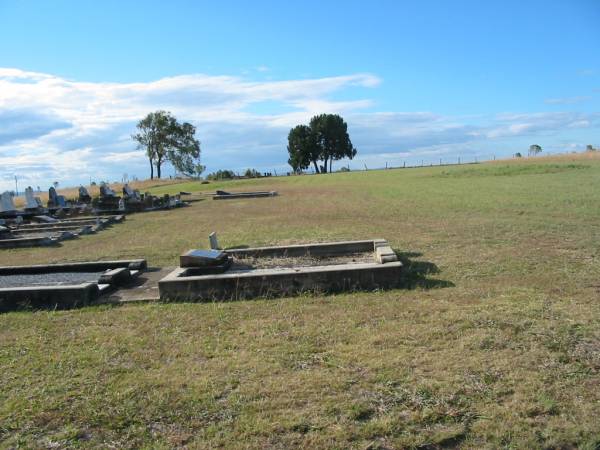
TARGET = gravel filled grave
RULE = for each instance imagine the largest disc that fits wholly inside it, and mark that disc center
(48, 279)
(262, 262)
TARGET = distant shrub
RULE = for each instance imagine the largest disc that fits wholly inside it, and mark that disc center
(221, 175)
(252, 173)
(345, 169)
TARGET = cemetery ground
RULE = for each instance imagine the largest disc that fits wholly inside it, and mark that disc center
(492, 342)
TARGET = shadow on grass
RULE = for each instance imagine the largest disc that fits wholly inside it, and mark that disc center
(416, 273)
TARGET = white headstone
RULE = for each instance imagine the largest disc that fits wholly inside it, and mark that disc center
(6, 202)
(30, 202)
(214, 244)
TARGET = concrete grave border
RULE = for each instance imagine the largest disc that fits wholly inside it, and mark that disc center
(383, 273)
(234, 195)
(118, 273)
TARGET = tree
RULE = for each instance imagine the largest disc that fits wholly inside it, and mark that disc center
(534, 149)
(326, 139)
(332, 139)
(302, 148)
(518, 155)
(165, 139)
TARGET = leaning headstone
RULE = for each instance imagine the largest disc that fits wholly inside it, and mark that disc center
(6, 202)
(214, 243)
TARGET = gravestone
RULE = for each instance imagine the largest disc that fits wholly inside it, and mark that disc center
(30, 200)
(55, 200)
(131, 194)
(106, 191)
(84, 195)
(6, 202)
(214, 243)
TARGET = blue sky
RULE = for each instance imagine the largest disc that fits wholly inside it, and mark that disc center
(414, 80)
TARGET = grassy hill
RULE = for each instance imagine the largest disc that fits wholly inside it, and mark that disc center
(493, 343)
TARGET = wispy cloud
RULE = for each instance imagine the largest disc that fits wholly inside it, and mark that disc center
(567, 100)
(72, 130)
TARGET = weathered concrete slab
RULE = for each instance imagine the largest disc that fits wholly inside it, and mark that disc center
(27, 242)
(279, 282)
(318, 249)
(234, 195)
(88, 266)
(143, 288)
(48, 296)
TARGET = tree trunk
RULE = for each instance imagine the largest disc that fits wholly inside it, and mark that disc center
(151, 169)
(324, 168)
(330, 164)
(316, 166)
(158, 163)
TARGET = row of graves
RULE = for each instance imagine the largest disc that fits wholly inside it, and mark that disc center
(207, 275)
(62, 218)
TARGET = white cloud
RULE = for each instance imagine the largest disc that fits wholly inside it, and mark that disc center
(567, 100)
(70, 130)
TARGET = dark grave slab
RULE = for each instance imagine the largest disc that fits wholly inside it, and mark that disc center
(203, 258)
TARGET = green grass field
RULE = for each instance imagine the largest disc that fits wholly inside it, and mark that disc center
(493, 343)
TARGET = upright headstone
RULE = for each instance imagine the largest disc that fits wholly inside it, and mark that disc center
(84, 195)
(106, 191)
(6, 202)
(30, 201)
(214, 243)
(130, 193)
(52, 197)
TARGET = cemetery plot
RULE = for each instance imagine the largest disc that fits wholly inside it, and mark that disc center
(206, 275)
(46, 230)
(223, 195)
(64, 285)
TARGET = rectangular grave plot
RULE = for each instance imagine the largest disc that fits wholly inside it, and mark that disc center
(272, 272)
(62, 286)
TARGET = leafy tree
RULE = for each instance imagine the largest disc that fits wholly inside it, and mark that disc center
(518, 155)
(165, 139)
(302, 148)
(326, 139)
(332, 138)
(534, 149)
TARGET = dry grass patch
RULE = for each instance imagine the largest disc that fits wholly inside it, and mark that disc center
(492, 343)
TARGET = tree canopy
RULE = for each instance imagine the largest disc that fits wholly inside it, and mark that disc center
(323, 141)
(165, 139)
(534, 149)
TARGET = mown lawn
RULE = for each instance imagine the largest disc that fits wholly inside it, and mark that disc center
(494, 342)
